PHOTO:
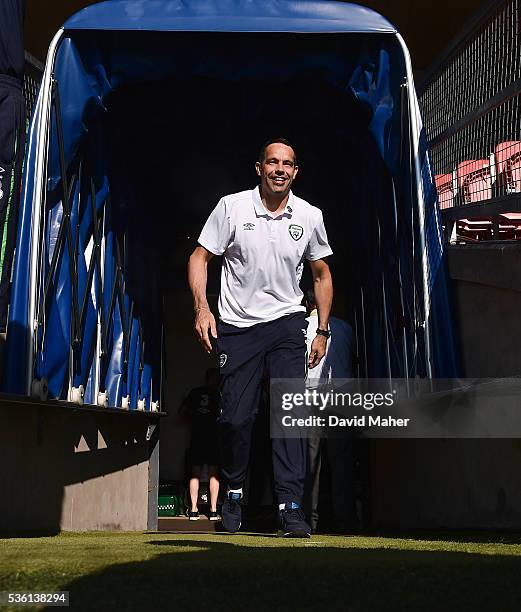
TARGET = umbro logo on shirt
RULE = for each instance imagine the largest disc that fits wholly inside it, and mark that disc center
(249, 226)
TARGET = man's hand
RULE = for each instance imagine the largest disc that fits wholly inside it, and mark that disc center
(204, 323)
(318, 350)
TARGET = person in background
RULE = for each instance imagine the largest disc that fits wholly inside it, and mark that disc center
(12, 138)
(335, 365)
(202, 405)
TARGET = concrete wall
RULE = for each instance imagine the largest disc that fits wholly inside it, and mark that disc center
(462, 483)
(65, 469)
(487, 299)
(446, 484)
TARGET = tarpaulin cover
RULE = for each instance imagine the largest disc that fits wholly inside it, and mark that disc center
(229, 16)
(115, 44)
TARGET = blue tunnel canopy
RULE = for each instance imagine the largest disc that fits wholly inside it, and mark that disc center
(230, 16)
(133, 47)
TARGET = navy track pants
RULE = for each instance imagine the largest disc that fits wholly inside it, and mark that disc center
(277, 349)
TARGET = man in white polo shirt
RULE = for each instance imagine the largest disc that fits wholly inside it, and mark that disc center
(264, 236)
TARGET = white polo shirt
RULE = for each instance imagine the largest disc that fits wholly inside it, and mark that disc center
(263, 255)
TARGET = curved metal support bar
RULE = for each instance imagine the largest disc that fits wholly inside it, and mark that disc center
(39, 192)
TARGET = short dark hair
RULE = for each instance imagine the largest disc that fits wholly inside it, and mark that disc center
(284, 141)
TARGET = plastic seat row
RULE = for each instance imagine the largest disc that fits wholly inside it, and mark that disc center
(482, 228)
(476, 180)
(480, 180)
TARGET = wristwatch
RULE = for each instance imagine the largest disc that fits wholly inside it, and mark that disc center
(324, 332)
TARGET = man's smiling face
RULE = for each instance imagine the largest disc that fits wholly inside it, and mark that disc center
(278, 169)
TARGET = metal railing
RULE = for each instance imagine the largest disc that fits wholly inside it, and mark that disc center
(471, 104)
(89, 330)
(91, 258)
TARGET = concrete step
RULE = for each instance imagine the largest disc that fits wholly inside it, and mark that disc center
(182, 523)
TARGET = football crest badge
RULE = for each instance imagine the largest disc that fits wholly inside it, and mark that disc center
(296, 231)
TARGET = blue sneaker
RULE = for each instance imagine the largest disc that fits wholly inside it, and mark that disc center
(231, 512)
(292, 522)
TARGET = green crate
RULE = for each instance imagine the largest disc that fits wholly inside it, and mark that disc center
(170, 505)
(167, 505)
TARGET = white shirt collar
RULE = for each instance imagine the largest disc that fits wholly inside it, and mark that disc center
(262, 211)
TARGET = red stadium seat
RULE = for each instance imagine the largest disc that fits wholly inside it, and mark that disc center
(508, 165)
(510, 226)
(445, 189)
(475, 180)
(475, 229)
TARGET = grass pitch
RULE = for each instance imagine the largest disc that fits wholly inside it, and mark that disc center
(160, 571)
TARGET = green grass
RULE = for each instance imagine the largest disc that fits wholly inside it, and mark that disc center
(147, 571)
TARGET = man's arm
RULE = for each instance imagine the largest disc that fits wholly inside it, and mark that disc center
(323, 288)
(197, 279)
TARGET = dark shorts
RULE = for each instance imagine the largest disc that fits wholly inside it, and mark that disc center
(204, 450)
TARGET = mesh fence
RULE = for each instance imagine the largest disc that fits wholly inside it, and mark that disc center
(32, 78)
(471, 106)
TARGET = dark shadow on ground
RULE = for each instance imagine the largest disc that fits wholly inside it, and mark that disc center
(219, 532)
(213, 574)
(469, 536)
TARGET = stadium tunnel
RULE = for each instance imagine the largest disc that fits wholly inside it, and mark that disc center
(148, 113)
